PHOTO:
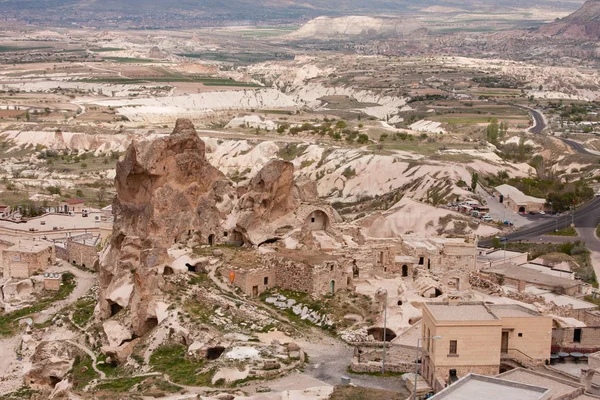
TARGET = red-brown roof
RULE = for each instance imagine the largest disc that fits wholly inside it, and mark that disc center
(74, 201)
(3, 207)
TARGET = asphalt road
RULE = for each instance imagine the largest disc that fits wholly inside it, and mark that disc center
(586, 218)
(540, 123)
(578, 147)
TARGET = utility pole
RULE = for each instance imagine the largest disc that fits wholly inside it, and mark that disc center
(384, 332)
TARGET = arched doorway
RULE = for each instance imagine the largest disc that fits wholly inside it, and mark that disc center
(317, 221)
(522, 209)
(377, 334)
(168, 271)
(332, 287)
(404, 271)
(211, 239)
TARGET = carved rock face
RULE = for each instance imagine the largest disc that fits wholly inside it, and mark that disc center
(167, 192)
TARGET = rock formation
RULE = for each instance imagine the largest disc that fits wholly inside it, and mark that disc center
(583, 24)
(167, 192)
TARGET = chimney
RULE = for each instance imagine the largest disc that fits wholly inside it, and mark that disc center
(586, 378)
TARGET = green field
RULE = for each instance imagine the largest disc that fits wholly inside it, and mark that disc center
(106, 49)
(167, 79)
(130, 60)
(8, 49)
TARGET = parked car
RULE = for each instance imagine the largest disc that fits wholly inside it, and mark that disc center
(487, 218)
(542, 213)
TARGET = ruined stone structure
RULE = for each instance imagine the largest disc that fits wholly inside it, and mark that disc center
(310, 272)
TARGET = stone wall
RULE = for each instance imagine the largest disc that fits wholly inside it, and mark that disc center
(81, 254)
(563, 340)
(292, 275)
(397, 359)
(61, 252)
(255, 281)
(22, 264)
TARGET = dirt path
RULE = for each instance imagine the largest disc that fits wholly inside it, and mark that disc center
(92, 355)
(85, 280)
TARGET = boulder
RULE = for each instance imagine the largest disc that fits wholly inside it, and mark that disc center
(120, 354)
(50, 363)
(116, 333)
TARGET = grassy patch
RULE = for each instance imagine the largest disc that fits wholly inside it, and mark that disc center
(290, 151)
(24, 392)
(570, 231)
(172, 360)
(83, 372)
(8, 321)
(106, 49)
(120, 385)
(362, 393)
(9, 49)
(84, 309)
(129, 60)
(387, 374)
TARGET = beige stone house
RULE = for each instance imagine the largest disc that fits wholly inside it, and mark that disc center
(72, 205)
(517, 201)
(25, 258)
(477, 338)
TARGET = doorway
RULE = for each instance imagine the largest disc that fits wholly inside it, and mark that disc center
(255, 291)
(404, 271)
(211, 239)
(504, 344)
(332, 287)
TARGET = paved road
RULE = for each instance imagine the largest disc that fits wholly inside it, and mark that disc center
(586, 218)
(539, 121)
(578, 147)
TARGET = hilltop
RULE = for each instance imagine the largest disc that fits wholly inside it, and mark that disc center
(583, 24)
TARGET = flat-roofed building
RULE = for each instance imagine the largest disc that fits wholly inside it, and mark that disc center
(474, 386)
(517, 201)
(25, 257)
(476, 338)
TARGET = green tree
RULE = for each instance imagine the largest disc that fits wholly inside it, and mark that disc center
(492, 131)
(474, 181)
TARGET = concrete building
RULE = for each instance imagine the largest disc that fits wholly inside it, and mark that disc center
(517, 201)
(477, 338)
(52, 281)
(474, 386)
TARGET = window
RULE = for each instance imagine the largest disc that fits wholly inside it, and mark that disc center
(453, 347)
(266, 280)
(577, 335)
(225, 234)
(331, 267)
(520, 334)
(421, 260)
(312, 219)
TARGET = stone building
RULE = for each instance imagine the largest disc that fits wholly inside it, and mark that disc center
(303, 271)
(517, 201)
(72, 205)
(477, 338)
(584, 339)
(25, 258)
(83, 251)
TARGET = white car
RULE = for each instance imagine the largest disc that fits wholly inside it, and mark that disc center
(542, 213)
(487, 218)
